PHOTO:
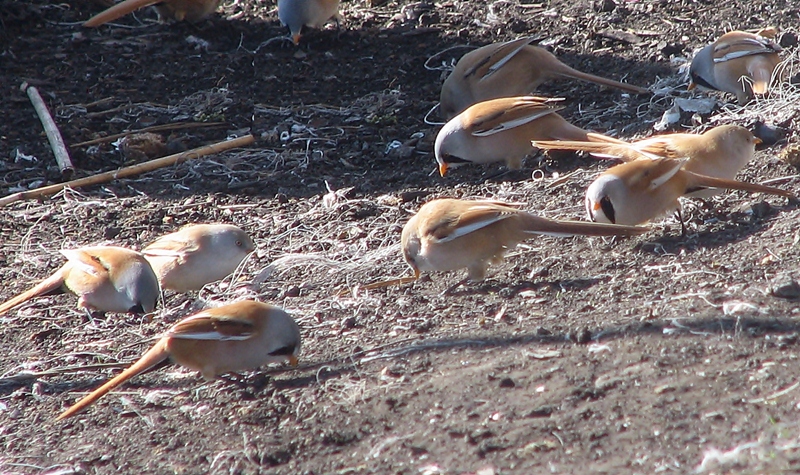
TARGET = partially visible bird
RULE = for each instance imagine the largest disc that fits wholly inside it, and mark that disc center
(296, 14)
(105, 278)
(450, 234)
(636, 192)
(502, 129)
(235, 337)
(179, 10)
(719, 152)
(513, 68)
(197, 255)
(738, 62)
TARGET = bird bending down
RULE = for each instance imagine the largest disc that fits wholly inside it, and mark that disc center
(179, 10)
(235, 337)
(738, 62)
(513, 68)
(105, 279)
(197, 255)
(295, 14)
(502, 129)
(719, 152)
(636, 192)
(450, 234)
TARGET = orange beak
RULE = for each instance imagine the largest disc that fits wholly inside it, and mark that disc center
(442, 169)
(757, 141)
(293, 360)
(596, 205)
(296, 39)
(691, 86)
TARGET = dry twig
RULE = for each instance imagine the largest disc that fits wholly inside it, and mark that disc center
(51, 129)
(130, 171)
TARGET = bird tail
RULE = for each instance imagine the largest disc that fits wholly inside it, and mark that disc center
(117, 11)
(600, 80)
(594, 137)
(600, 149)
(48, 285)
(697, 182)
(537, 225)
(154, 356)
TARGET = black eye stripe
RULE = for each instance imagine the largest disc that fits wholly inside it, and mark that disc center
(283, 351)
(608, 209)
(138, 308)
(699, 80)
(453, 159)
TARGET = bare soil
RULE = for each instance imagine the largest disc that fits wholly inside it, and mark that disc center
(663, 353)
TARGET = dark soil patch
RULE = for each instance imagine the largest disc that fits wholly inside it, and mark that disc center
(576, 355)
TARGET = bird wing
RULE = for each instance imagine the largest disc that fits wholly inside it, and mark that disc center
(495, 60)
(476, 216)
(209, 325)
(86, 261)
(517, 112)
(171, 246)
(739, 46)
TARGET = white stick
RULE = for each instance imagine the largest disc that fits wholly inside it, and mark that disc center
(50, 128)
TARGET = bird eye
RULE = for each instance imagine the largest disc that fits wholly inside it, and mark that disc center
(238, 243)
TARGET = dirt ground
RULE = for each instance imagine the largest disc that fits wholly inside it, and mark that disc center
(662, 353)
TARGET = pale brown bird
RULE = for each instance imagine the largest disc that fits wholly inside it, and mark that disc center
(636, 192)
(105, 278)
(738, 62)
(450, 234)
(295, 14)
(198, 255)
(719, 152)
(179, 10)
(513, 68)
(502, 129)
(235, 337)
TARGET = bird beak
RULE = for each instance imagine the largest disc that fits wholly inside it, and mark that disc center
(596, 205)
(691, 86)
(757, 141)
(296, 39)
(417, 273)
(293, 360)
(442, 168)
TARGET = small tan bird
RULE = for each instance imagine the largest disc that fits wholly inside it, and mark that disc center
(513, 68)
(738, 62)
(235, 337)
(296, 14)
(719, 152)
(636, 192)
(502, 129)
(197, 255)
(179, 10)
(449, 234)
(105, 278)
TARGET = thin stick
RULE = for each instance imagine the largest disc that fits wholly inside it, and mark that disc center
(51, 129)
(130, 171)
(154, 128)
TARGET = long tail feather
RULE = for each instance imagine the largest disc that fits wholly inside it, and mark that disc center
(598, 149)
(46, 286)
(702, 181)
(538, 225)
(117, 11)
(606, 82)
